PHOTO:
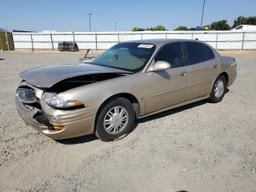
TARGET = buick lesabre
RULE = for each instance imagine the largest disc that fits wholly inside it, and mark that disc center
(130, 80)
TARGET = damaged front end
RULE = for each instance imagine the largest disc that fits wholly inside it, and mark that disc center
(74, 82)
(29, 106)
(47, 109)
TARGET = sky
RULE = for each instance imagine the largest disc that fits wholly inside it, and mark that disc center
(72, 15)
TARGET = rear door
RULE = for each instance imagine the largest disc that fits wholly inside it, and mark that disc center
(202, 68)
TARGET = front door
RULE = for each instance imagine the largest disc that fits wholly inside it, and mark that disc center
(168, 87)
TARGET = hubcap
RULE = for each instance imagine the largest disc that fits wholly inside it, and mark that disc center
(116, 120)
(219, 88)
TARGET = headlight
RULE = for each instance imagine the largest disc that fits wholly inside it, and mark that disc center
(56, 101)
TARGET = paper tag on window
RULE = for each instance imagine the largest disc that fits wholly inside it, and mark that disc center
(147, 46)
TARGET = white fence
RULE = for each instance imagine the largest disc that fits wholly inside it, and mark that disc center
(104, 40)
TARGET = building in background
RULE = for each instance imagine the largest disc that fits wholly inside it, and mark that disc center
(6, 40)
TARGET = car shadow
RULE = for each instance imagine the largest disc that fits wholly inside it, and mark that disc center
(89, 138)
(171, 111)
(78, 140)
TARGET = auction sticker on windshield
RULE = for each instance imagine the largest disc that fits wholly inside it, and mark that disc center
(147, 46)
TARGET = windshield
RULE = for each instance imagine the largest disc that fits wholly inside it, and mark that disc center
(126, 56)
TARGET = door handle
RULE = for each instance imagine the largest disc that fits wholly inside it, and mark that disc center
(183, 73)
(214, 66)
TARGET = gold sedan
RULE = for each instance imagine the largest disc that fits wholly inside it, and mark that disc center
(129, 81)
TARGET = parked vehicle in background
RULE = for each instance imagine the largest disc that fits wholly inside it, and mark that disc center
(68, 46)
(245, 28)
(129, 81)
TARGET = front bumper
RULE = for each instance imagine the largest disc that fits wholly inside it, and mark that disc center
(75, 122)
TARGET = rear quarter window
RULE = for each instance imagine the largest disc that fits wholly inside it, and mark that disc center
(209, 53)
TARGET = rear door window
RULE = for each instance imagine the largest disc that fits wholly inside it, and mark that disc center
(198, 52)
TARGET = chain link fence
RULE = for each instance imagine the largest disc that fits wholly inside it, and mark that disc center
(103, 40)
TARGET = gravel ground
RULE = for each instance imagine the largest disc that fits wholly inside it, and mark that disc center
(199, 147)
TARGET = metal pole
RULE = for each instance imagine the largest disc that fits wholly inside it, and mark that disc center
(115, 26)
(217, 39)
(118, 38)
(243, 40)
(73, 34)
(52, 41)
(96, 41)
(90, 22)
(32, 43)
(202, 16)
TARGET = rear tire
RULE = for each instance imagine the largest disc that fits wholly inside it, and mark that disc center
(115, 120)
(218, 90)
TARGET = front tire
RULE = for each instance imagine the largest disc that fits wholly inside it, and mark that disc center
(218, 90)
(115, 120)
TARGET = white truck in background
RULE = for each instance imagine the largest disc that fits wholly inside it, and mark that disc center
(245, 28)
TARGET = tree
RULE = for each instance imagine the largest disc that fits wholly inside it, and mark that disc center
(138, 29)
(220, 25)
(244, 20)
(156, 28)
(181, 28)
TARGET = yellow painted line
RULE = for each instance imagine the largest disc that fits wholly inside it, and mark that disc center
(237, 52)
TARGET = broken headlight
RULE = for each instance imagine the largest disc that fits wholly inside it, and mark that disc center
(56, 101)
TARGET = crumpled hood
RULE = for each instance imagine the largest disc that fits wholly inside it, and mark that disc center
(46, 77)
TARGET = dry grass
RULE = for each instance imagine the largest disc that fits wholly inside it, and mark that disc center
(237, 52)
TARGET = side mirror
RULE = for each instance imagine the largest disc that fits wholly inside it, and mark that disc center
(159, 66)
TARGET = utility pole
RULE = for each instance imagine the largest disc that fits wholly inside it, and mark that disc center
(90, 22)
(115, 26)
(202, 16)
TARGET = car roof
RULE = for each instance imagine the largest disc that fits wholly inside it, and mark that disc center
(160, 42)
